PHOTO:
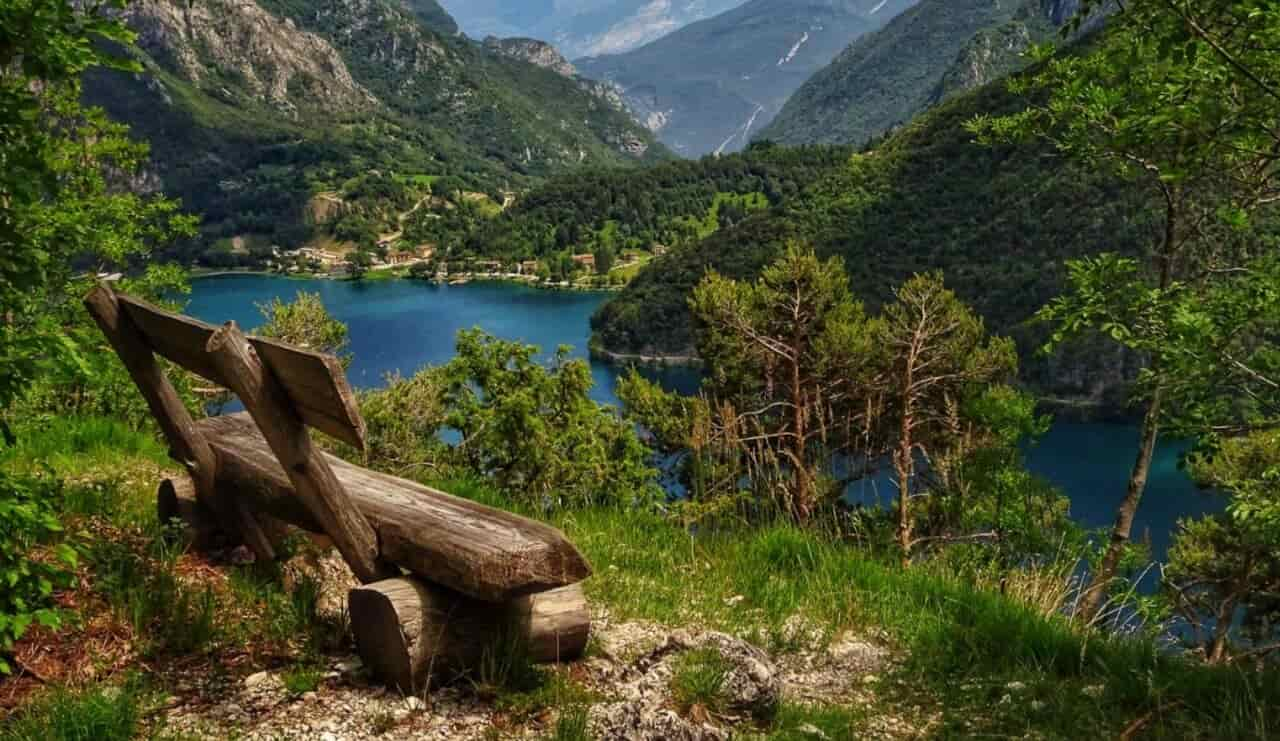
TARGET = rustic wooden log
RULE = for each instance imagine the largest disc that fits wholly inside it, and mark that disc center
(186, 444)
(176, 500)
(313, 480)
(413, 634)
(480, 551)
(314, 381)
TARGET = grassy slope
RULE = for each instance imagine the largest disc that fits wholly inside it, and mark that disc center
(963, 646)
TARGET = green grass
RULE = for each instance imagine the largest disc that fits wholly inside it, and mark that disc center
(104, 713)
(795, 722)
(699, 679)
(572, 725)
(74, 444)
(167, 614)
(545, 689)
(302, 678)
(948, 632)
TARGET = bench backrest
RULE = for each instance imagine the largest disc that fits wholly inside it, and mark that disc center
(314, 382)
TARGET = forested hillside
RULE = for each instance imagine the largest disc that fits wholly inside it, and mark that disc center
(254, 109)
(659, 207)
(998, 222)
(922, 57)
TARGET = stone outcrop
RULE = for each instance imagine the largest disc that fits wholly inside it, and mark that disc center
(752, 689)
(229, 46)
(535, 52)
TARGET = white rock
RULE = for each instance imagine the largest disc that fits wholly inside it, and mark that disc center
(810, 729)
(349, 666)
(254, 680)
(413, 703)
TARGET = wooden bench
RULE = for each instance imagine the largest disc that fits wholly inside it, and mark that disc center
(445, 579)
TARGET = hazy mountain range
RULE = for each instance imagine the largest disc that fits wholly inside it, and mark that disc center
(711, 86)
(583, 27)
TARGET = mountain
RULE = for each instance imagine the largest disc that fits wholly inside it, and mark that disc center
(256, 109)
(922, 57)
(712, 84)
(647, 210)
(433, 16)
(999, 223)
(583, 27)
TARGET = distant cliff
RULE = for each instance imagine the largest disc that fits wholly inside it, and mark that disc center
(533, 51)
(922, 57)
(712, 85)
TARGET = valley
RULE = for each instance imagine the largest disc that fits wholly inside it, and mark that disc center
(639, 370)
(711, 86)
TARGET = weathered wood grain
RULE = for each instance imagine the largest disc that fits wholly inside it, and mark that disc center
(314, 382)
(186, 444)
(314, 482)
(414, 634)
(480, 551)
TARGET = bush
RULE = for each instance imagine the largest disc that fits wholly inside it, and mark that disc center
(531, 429)
(32, 563)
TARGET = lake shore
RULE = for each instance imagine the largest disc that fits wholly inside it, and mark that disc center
(392, 274)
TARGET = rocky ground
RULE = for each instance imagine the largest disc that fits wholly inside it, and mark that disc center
(628, 672)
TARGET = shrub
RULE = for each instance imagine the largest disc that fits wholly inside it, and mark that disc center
(32, 564)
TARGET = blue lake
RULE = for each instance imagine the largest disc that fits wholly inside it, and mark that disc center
(400, 326)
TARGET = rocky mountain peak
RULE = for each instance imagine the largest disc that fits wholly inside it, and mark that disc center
(533, 51)
(235, 48)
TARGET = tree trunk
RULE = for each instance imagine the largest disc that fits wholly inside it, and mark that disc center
(903, 466)
(803, 505)
(414, 634)
(1095, 594)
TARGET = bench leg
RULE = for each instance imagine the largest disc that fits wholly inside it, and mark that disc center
(413, 634)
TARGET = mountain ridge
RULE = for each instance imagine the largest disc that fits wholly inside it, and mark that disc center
(709, 86)
(254, 107)
(922, 57)
(583, 27)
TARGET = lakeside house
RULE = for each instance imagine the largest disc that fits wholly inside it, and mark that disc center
(324, 257)
(421, 253)
(586, 261)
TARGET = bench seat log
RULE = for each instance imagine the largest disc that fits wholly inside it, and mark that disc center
(482, 552)
(414, 634)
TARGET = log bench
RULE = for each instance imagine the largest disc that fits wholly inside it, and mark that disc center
(445, 580)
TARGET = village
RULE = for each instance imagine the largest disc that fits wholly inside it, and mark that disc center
(396, 259)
